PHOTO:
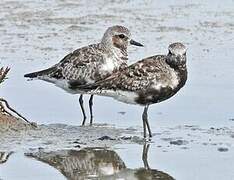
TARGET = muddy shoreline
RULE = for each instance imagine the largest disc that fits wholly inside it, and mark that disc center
(192, 132)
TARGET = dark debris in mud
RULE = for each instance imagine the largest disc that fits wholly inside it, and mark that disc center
(106, 138)
(179, 142)
(122, 112)
(56, 136)
(222, 149)
(126, 138)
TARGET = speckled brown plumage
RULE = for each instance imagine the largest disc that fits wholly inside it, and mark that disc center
(142, 77)
(82, 65)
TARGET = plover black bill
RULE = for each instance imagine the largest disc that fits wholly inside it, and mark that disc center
(90, 63)
(151, 80)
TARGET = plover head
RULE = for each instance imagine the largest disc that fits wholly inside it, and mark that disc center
(177, 53)
(118, 37)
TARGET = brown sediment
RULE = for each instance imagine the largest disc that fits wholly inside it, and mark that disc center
(11, 123)
(7, 120)
(5, 111)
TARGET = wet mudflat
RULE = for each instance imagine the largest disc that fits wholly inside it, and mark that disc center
(193, 131)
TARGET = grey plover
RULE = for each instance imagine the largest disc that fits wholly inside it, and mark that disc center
(90, 63)
(151, 80)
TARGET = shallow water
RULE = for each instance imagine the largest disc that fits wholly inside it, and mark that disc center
(35, 35)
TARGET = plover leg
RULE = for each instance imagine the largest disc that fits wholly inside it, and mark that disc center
(82, 109)
(144, 116)
(91, 109)
(145, 121)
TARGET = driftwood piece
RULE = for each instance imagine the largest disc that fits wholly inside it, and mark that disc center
(3, 110)
(4, 106)
(3, 73)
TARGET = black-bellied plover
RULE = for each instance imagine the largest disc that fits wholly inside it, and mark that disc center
(90, 64)
(151, 80)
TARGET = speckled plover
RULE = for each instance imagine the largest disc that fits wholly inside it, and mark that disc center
(90, 64)
(151, 80)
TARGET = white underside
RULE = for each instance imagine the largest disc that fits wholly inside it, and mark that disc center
(128, 97)
(61, 83)
(123, 96)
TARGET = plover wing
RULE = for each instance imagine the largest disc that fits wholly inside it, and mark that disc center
(81, 65)
(148, 76)
(138, 76)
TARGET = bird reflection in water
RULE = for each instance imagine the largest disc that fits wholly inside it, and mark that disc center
(88, 162)
(97, 163)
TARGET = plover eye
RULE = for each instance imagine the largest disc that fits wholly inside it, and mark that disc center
(121, 36)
